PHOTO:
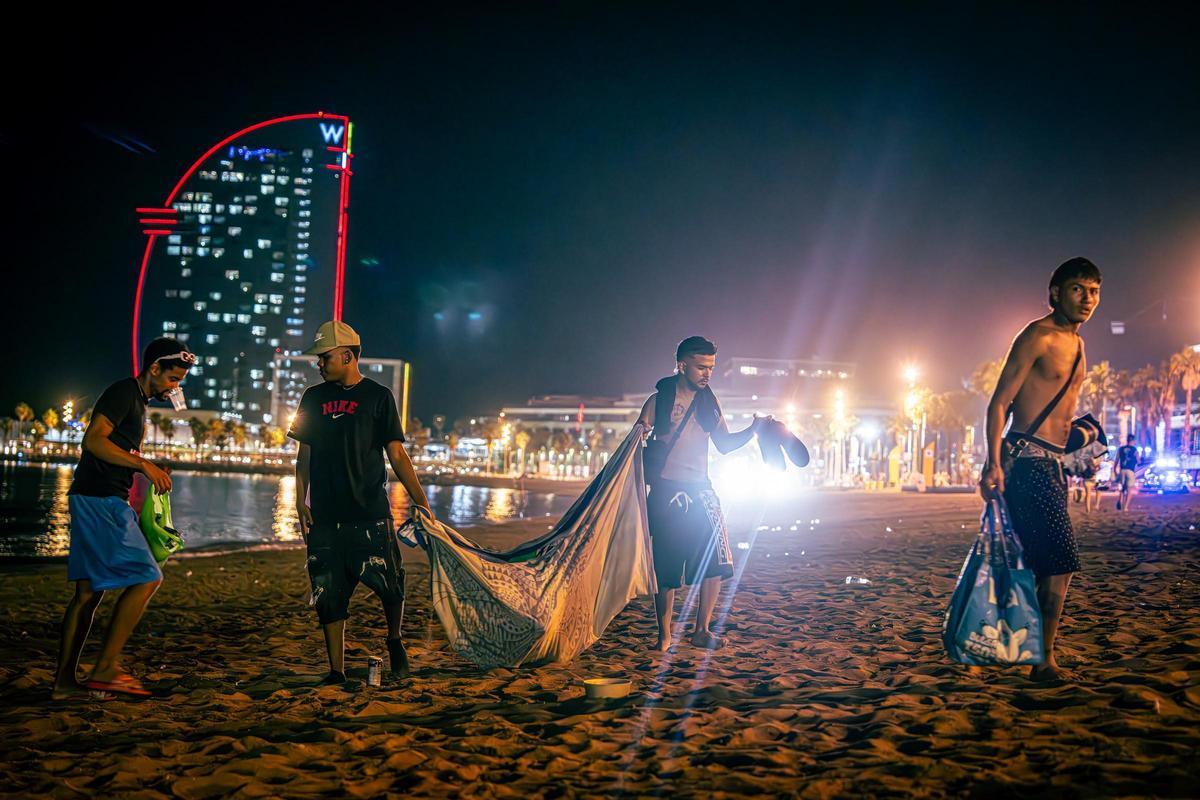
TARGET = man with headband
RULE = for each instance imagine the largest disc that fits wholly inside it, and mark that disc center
(108, 550)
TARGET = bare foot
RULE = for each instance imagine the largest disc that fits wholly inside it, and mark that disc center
(70, 691)
(1049, 672)
(706, 640)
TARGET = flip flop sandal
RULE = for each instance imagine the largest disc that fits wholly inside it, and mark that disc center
(122, 684)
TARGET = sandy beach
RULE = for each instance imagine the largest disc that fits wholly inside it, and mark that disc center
(825, 690)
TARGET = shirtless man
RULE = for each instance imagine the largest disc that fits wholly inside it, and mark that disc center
(1047, 354)
(687, 528)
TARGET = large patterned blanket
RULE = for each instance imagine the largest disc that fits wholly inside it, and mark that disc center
(549, 598)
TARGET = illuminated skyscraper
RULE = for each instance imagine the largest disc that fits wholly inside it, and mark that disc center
(246, 257)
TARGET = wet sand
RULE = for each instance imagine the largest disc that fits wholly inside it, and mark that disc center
(824, 690)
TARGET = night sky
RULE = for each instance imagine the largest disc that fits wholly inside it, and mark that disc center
(598, 183)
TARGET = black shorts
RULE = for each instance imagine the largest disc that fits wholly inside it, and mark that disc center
(687, 534)
(1036, 493)
(343, 553)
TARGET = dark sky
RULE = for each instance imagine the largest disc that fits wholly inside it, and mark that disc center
(875, 185)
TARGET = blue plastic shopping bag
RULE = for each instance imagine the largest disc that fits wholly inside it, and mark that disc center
(994, 616)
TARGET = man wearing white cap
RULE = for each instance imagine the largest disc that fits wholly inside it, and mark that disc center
(344, 427)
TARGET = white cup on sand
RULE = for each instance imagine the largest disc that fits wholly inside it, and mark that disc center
(606, 688)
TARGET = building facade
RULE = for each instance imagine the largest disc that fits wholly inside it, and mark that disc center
(246, 259)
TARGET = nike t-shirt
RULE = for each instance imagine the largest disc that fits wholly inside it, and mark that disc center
(347, 429)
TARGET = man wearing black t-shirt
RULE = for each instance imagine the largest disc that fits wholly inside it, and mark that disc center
(108, 550)
(344, 427)
(1127, 462)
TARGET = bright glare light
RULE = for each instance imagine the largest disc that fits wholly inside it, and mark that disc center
(868, 431)
(735, 477)
(911, 373)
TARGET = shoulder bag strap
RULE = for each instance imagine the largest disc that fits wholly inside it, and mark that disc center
(1037, 422)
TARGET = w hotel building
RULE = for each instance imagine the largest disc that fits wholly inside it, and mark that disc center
(246, 258)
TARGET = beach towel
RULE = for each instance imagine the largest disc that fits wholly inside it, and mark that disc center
(550, 598)
(994, 617)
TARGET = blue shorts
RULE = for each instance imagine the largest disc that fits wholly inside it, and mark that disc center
(107, 545)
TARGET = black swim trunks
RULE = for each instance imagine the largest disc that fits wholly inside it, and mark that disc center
(340, 555)
(687, 534)
(1035, 490)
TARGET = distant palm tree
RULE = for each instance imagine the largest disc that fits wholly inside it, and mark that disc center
(1143, 386)
(156, 419)
(23, 413)
(166, 426)
(219, 433)
(985, 377)
(50, 419)
(1100, 388)
(199, 431)
(1186, 366)
(237, 432)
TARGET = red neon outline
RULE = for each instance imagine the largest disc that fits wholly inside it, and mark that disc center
(339, 291)
(159, 221)
(137, 301)
(340, 263)
(159, 232)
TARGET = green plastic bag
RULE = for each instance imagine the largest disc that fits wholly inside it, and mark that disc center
(156, 526)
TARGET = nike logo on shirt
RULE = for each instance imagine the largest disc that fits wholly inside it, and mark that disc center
(335, 416)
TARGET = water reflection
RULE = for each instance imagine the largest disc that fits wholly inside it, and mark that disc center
(58, 529)
(227, 509)
(286, 527)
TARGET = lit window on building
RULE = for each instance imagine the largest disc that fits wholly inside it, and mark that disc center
(174, 238)
(210, 361)
(232, 274)
(172, 293)
(264, 244)
(214, 295)
(218, 252)
(277, 277)
(185, 272)
(214, 317)
(199, 305)
(185, 293)
(276, 299)
(169, 326)
(244, 319)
